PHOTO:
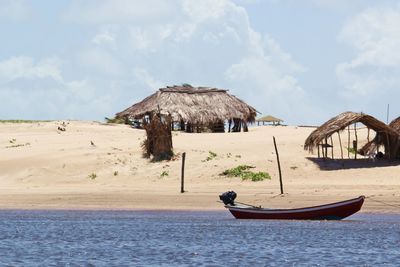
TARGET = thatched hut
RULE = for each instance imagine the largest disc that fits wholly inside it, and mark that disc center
(395, 124)
(387, 136)
(379, 140)
(194, 108)
(269, 119)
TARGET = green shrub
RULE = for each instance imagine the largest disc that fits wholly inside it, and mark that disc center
(211, 156)
(116, 120)
(243, 172)
(351, 150)
(164, 174)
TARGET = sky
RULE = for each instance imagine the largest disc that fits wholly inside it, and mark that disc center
(303, 61)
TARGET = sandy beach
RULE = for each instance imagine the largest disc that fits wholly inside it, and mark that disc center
(93, 165)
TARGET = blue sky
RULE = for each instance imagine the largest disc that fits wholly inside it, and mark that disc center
(301, 60)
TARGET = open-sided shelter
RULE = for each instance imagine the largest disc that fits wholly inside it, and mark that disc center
(269, 119)
(373, 145)
(194, 107)
(386, 135)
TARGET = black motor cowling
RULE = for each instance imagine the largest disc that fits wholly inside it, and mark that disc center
(228, 198)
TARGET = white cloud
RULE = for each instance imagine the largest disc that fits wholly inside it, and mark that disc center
(374, 34)
(143, 76)
(104, 37)
(101, 61)
(206, 9)
(280, 58)
(25, 67)
(149, 39)
(14, 10)
(157, 43)
(39, 90)
(119, 11)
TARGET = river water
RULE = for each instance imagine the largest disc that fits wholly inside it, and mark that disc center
(159, 238)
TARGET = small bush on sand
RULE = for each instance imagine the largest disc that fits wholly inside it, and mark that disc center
(243, 172)
(164, 174)
(92, 176)
(211, 156)
(351, 150)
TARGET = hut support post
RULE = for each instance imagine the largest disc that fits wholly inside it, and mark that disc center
(318, 151)
(388, 146)
(279, 166)
(326, 147)
(245, 127)
(377, 142)
(340, 142)
(355, 147)
(183, 173)
(368, 135)
(332, 146)
(348, 141)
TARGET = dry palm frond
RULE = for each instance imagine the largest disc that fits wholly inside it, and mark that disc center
(390, 137)
(269, 118)
(380, 138)
(197, 105)
(158, 140)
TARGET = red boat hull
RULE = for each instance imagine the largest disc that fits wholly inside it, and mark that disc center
(333, 211)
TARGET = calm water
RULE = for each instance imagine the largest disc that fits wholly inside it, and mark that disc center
(104, 238)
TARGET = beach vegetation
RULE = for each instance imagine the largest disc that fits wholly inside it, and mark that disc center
(116, 120)
(92, 176)
(17, 145)
(243, 172)
(351, 150)
(23, 121)
(164, 174)
(115, 173)
(293, 167)
(211, 156)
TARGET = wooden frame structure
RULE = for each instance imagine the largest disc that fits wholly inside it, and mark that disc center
(385, 136)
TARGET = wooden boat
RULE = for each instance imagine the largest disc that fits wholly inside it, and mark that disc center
(333, 211)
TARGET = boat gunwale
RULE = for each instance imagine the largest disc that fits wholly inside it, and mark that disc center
(296, 210)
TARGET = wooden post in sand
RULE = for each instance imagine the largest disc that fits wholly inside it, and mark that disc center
(388, 146)
(356, 141)
(326, 147)
(348, 141)
(340, 142)
(279, 166)
(183, 173)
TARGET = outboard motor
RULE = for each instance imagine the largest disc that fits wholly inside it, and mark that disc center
(228, 198)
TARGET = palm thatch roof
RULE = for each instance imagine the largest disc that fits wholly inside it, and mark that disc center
(395, 124)
(380, 138)
(340, 122)
(197, 105)
(269, 118)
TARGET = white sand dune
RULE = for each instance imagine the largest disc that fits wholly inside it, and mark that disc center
(98, 166)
